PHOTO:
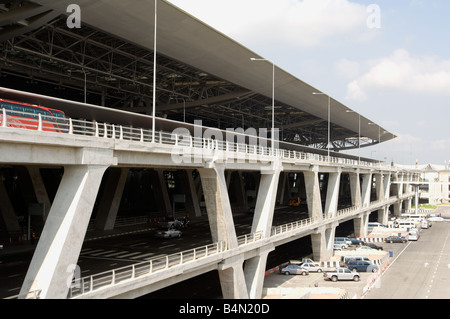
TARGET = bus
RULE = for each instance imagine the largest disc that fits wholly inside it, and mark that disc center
(22, 115)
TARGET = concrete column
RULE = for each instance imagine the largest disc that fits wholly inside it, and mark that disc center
(39, 189)
(62, 237)
(313, 193)
(361, 224)
(379, 186)
(218, 205)
(331, 203)
(387, 185)
(265, 202)
(232, 279)
(322, 242)
(400, 186)
(254, 272)
(366, 189)
(383, 215)
(398, 208)
(355, 189)
(111, 198)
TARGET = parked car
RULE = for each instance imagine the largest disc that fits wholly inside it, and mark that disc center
(311, 267)
(373, 246)
(395, 239)
(294, 270)
(356, 241)
(304, 260)
(341, 274)
(341, 241)
(363, 266)
(346, 259)
(169, 233)
(339, 246)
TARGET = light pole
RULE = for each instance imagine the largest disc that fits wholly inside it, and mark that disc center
(154, 75)
(329, 115)
(273, 100)
(359, 135)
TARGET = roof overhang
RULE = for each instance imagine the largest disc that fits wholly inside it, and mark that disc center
(182, 37)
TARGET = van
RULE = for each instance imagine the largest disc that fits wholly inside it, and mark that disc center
(371, 226)
(425, 224)
(406, 224)
(414, 234)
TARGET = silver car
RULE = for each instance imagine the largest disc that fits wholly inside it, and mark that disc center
(170, 233)
(311, 267)
(294, 270)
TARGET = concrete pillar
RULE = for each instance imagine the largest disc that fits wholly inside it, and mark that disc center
(361, 224)
(7, 210)
(331, 203)
(322, 242)
(39, 189)
(265, 202)
(398, 208)
(232, 279)
(355, 189)
(383, 215)
(254, 272)
(218, 205)
(379, 186)
(59, 246)
(110, 200)
(387, 185)
(366, 189)
(313, 193)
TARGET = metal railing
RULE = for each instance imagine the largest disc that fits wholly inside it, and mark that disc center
(111, 277)
(120, 132)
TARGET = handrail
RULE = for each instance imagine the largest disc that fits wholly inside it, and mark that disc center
(111, 277)
(120, 132)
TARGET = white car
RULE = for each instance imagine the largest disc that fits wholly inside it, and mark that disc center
(170, 233)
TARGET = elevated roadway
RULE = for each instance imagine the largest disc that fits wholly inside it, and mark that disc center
(86, 156)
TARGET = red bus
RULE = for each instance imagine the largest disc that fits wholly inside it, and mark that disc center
(22, 115)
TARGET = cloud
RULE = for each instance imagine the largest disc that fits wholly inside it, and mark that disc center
(295, 23)
(403, 72)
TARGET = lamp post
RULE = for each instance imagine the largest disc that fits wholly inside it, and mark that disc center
(273, 100)
(154, 75)
(329, 115)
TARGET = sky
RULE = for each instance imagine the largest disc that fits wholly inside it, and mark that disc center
(387, 60)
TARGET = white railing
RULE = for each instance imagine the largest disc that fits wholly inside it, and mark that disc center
(120, 132)
(115, 276)
(281, 229)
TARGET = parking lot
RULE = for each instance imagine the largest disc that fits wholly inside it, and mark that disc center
(282, 286)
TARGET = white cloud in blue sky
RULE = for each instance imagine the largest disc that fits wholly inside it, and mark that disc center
(397, 75)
